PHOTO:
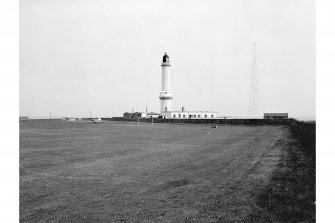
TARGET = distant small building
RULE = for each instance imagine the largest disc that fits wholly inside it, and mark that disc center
(134, 115)
(23, 118)
(71, 120)
(153, 115)
(275, 115)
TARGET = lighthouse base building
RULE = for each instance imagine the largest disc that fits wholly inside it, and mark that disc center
(189, 114)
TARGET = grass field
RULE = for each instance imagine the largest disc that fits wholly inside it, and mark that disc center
(121, 172)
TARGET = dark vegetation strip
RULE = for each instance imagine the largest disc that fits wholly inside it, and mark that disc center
(290, 196)
(256, 122)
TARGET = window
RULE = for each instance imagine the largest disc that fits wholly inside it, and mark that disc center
(212, 116)
(179, 115)
(205, 116)
(174, 116)
(184, 116)
(198, 116)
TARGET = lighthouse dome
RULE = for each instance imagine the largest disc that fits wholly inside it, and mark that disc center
(166, 58)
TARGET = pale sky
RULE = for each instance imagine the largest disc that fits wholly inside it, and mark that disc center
(104, 56)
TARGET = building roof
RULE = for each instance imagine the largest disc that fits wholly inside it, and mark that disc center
(192, 111)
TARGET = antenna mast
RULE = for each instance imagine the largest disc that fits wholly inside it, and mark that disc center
(254, 87)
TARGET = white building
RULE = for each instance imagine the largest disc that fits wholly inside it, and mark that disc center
(189, 114)
(153, 115)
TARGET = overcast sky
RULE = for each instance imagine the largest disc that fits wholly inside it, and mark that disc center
(104, 56)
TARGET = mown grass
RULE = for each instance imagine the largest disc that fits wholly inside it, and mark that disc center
(124, 172)
(290, 196)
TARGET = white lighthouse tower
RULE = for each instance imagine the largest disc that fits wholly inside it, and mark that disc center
(165, 95)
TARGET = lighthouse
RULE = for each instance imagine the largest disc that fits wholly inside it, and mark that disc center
(165, 95)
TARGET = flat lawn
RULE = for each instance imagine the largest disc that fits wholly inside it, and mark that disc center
(121, 172)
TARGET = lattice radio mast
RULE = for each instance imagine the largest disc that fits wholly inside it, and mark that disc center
(253, 103)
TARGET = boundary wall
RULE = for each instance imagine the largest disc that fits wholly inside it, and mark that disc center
(210, 121)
